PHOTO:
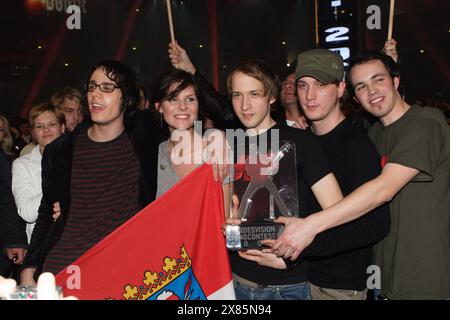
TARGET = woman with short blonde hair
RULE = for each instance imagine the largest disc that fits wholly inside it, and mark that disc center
(47, 124)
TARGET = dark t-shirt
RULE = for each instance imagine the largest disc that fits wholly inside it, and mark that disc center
(341, 255)
(415, 256)
(312, 166)
(104, 194)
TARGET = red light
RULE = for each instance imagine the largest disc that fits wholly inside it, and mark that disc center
(35, 6)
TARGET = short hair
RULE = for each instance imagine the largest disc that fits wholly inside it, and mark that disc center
(259, 70)
(39, 109)
(125, 78)
(7, 142)
(160, 90)
(66, 92)
(367, 56)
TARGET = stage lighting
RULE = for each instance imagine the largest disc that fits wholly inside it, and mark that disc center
(35, 6)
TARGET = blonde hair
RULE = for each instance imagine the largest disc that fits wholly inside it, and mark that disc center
(7, 141)
(36, 111)
(260, 71)
(70, 93)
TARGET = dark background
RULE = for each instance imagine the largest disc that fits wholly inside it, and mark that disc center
(245, 29)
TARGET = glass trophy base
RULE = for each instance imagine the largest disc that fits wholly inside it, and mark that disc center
(249, 235)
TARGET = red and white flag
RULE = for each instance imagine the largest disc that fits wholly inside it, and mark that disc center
(172, 249)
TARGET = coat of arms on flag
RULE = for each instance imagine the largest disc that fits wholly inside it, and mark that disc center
(177, 281)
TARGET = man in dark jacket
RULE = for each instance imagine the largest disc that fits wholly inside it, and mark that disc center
(101, 174)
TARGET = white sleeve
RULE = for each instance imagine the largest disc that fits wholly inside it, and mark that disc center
(25, 194)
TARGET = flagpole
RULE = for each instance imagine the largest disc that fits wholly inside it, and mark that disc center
(391, 19)
(169, 15)
(316, 13)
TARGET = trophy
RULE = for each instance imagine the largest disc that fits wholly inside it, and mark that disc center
(266, 186)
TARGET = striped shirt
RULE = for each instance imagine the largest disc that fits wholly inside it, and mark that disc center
(104, 194)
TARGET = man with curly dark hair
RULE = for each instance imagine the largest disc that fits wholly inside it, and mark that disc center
(98, 176)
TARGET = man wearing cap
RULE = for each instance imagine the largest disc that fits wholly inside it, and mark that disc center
(339, 257)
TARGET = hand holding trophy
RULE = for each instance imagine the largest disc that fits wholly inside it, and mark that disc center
(265, 188)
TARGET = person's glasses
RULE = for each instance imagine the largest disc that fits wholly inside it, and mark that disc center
(104, 87)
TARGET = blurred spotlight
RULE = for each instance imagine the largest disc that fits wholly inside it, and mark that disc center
(35, 6)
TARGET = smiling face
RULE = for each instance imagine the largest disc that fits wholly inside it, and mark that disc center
(180, 111)
(375, 89)
(105, 108)
(250, 102)
(47, 128)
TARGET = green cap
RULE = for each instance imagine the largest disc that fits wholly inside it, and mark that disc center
(322, 64)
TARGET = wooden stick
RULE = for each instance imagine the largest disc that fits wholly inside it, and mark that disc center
(169, 15)
(316, 13)
(391, 19)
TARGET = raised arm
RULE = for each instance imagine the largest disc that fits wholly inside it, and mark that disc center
(180, 59)
(390, 49)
